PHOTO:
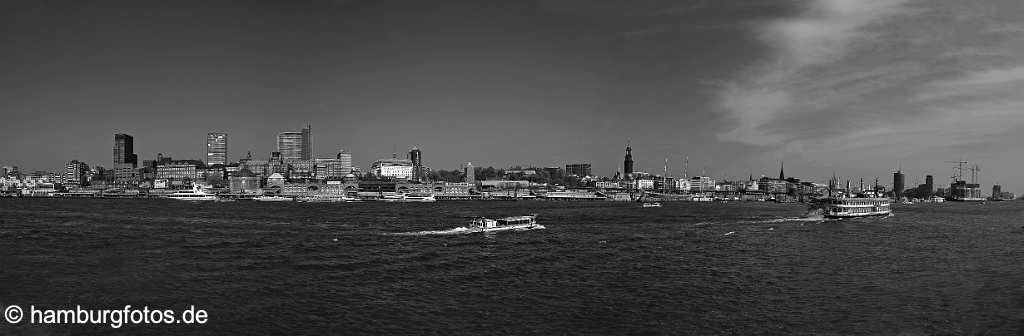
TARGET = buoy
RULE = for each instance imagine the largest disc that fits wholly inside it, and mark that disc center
(335, 239)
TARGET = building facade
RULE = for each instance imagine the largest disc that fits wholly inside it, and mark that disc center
(216, 149)
(125, 160)
(76, 174)
(416, 156)
(393, 168)
(295, 145)
(578, 169)
(897, 184)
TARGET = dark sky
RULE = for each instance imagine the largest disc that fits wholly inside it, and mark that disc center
(826, 85)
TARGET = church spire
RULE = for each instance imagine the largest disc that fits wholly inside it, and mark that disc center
(782, 170)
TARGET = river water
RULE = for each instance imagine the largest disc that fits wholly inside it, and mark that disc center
(597, 269)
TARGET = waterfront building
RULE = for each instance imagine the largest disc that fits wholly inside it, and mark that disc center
(774, 186)
(333, 169)
(301, 169)
(76, 174)
(213, 174)
(702, 184)
(295, 145)
(125, 160)
(683, 184)
(393, 168)
(276, 164)
(996, 190)
(275, 180)
(578, 169)
(244, 182)
(897, 184)
(645, 183)
(216, 149)
(259, 167)
(416, 157)
(627, 163)
(179, 173)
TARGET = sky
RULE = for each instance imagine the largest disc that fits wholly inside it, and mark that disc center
(858, 88)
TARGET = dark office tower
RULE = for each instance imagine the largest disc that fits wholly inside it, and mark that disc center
(416, 156)
(627, 164)
(216, 148)
(782, 171)
(929, 183)
(125, 159)
(897, 183)
(997, 190)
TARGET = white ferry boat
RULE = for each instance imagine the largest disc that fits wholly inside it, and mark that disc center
(266, 198)
(851, 207)
(505, 224)
(418, 197)
(196, 194)
(652, 205)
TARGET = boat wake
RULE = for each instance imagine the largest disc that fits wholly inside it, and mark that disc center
(812, 218)
(460, 230)
(786, 220)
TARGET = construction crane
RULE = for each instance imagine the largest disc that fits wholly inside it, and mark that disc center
(958, 174)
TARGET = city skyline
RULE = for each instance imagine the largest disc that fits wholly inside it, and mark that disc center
(737, 87)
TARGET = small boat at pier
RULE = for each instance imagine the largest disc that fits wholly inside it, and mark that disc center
(267, 198)
(196, 194)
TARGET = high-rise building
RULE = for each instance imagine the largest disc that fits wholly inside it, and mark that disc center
(897, 183)
(929, 183)
(76, 174)
(470, 173)
(627, 164)
(125, 160)
(295, 145)
(997, 190)
(416, 156)
(216, 149)
(578, 169)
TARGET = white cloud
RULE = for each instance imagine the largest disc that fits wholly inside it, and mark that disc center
(820, 36)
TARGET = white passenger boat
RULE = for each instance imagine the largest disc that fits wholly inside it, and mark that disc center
(419, 197)
(852, 207)
(266, 198)
(517, 223)
(196, 194)
(652, 205)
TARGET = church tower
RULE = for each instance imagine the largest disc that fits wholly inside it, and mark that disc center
(627, 164)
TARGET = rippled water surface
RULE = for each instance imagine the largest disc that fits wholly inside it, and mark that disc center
(597, 268)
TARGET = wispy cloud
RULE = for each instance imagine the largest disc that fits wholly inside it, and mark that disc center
(848, 78)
